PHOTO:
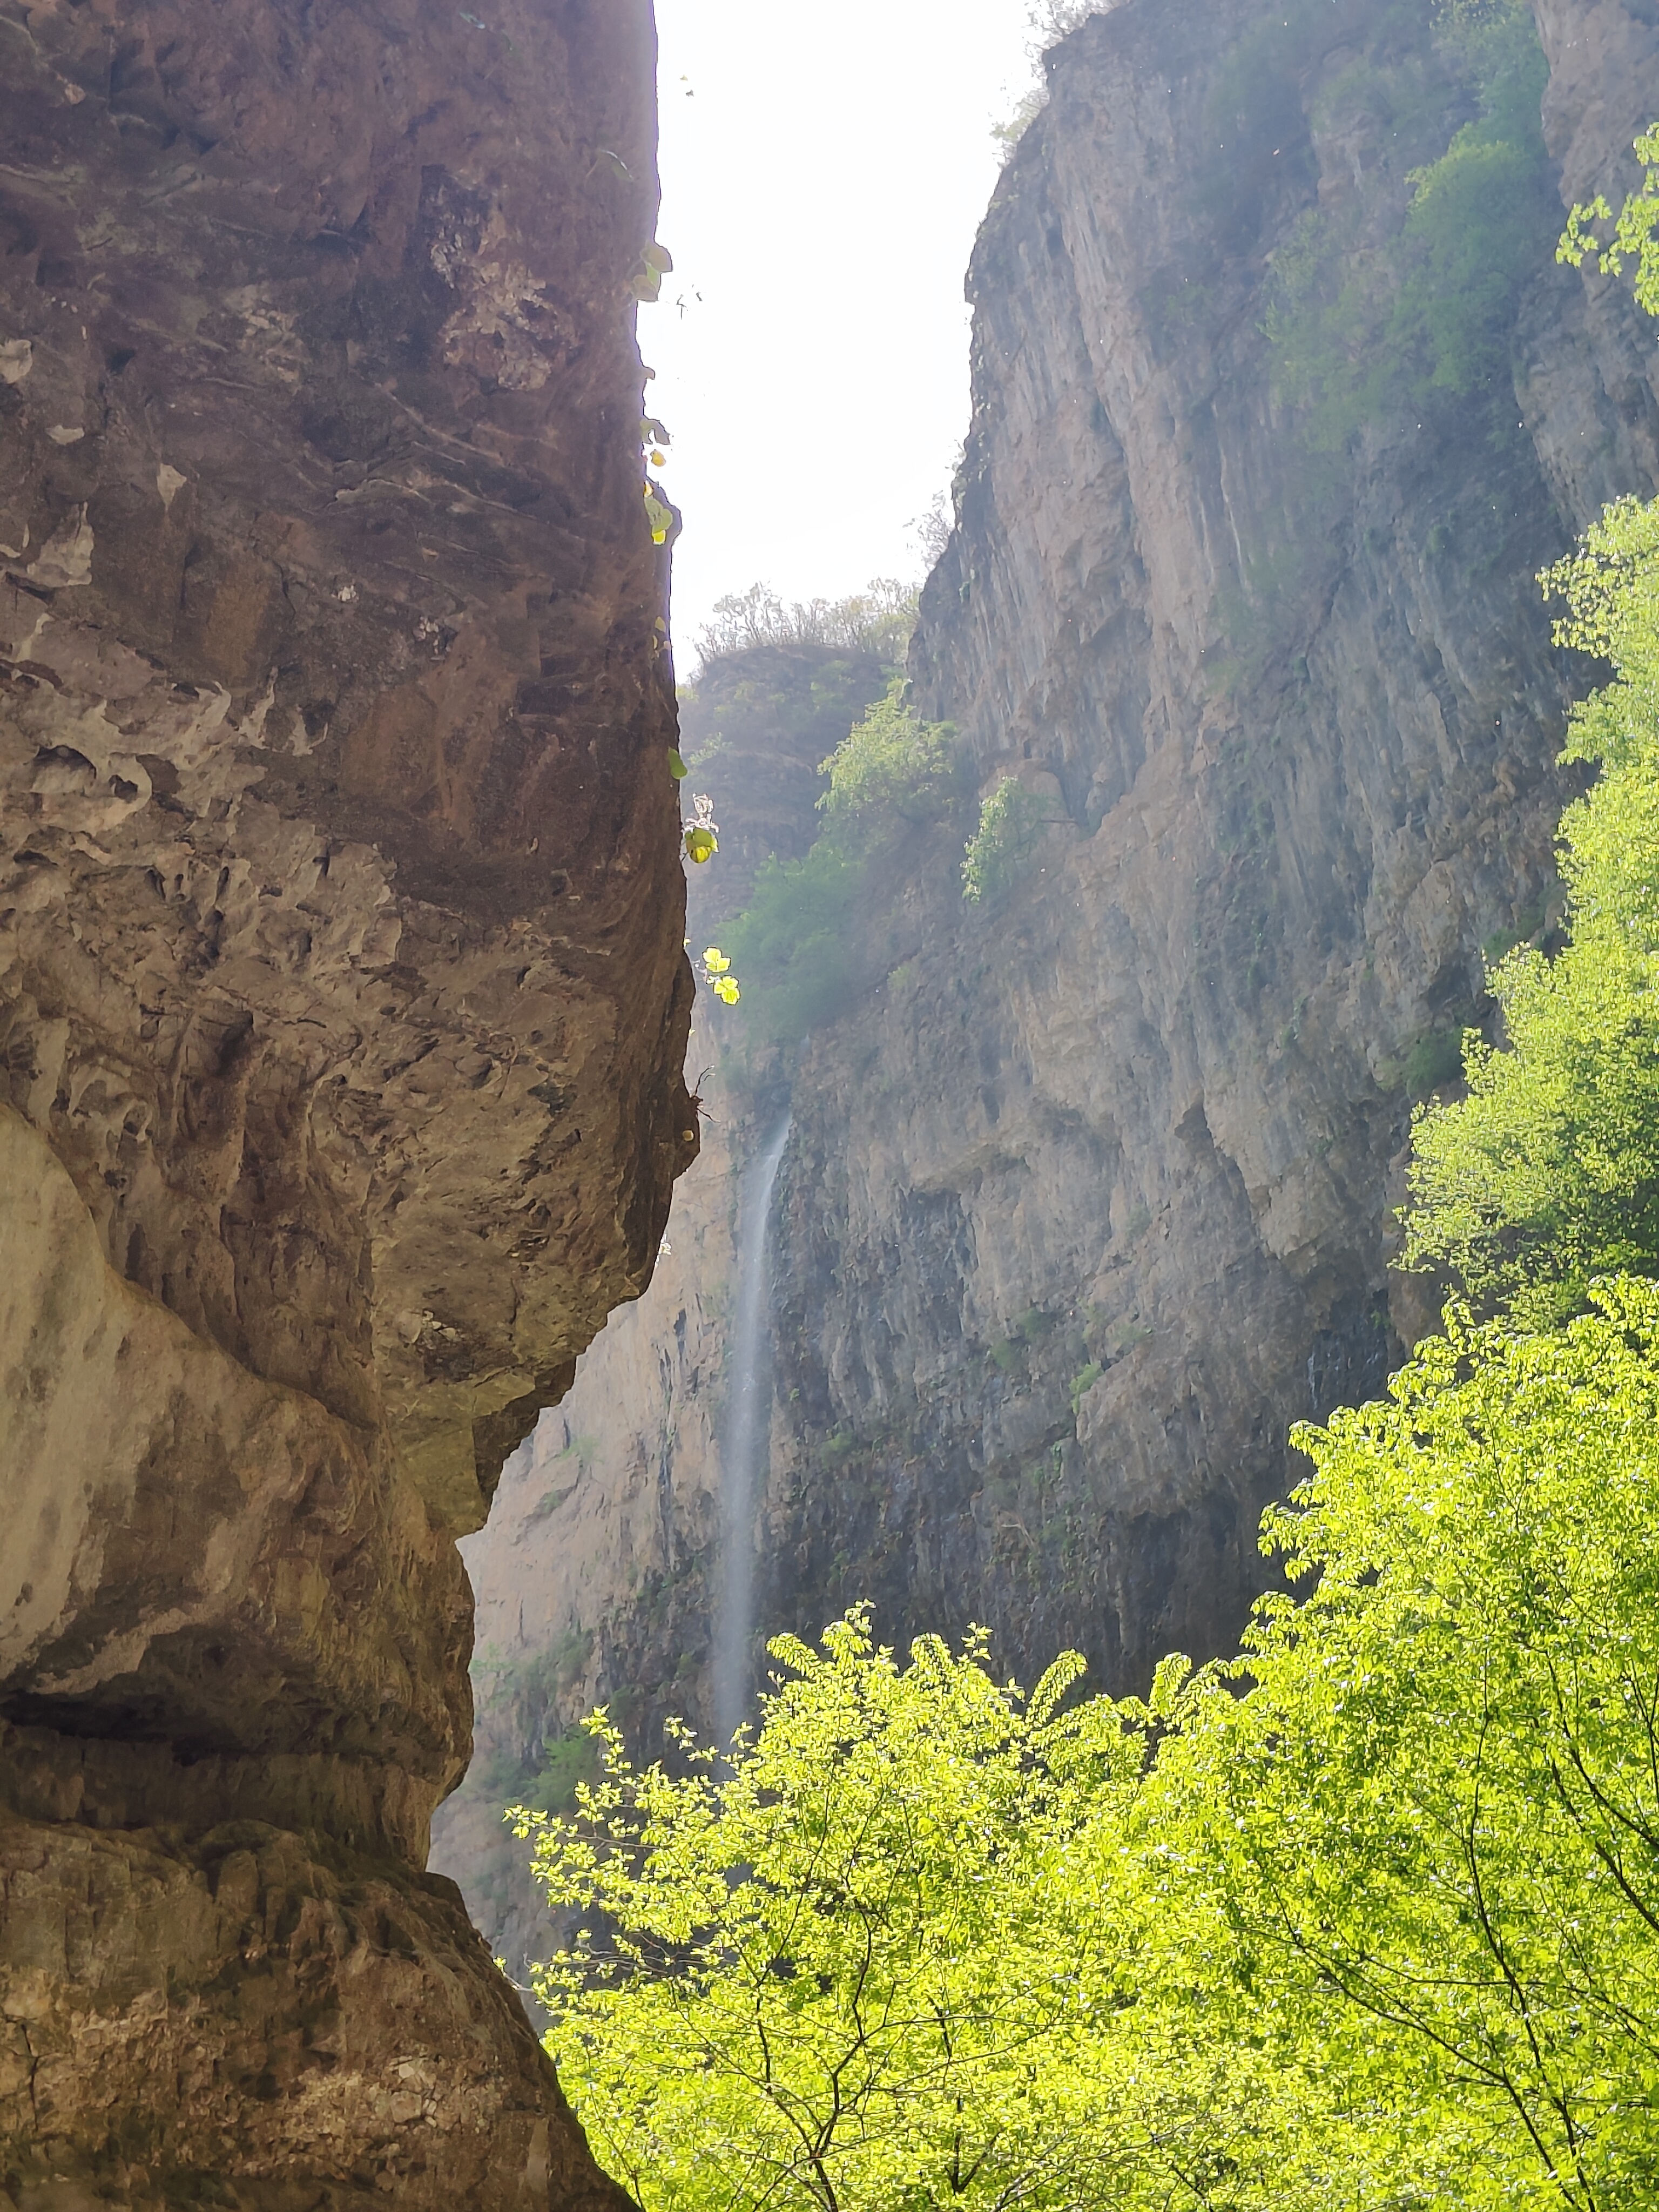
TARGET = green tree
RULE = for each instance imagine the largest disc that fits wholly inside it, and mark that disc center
(1547, 1173)
(1435, 1812)
(1634, 237)
(890, 764)
(834, 1969)
(1011, 820)
(1365, 1920)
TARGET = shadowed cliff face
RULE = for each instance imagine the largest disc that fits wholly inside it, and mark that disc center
(342, 1011)
(1089, 1200)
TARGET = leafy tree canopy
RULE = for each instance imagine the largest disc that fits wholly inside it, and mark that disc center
(1364, 1920)
(1547, 1173)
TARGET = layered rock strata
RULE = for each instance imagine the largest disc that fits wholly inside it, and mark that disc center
(342, 1007)
(1089, 1194)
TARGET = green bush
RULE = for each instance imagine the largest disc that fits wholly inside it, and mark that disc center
(1083, 1382)
(1010, 825)
(1361, 332)
(891, 766)
(797, 945)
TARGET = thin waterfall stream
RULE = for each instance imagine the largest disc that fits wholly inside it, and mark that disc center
(744, 1442)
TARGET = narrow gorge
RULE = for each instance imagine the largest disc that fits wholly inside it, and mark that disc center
(1089, 1189)
(426, 1313)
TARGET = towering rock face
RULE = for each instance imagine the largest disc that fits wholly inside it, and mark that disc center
(1089, 1194)
(344, 1008)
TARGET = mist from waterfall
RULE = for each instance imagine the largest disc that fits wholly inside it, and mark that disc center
(744, 1442)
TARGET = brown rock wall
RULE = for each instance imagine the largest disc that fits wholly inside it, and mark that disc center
(342, 1005)
(328, 2031)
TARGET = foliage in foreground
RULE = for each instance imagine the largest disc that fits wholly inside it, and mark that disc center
(1547, 1174)
(1368, 1918)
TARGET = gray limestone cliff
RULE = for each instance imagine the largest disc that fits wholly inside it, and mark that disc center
(343, 1009)
(1089, 1192)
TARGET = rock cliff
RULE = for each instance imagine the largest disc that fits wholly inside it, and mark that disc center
(1089, 1192)
(343, 1008)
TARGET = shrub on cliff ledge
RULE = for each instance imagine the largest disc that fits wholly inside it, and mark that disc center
(890, 763)
(796, 941)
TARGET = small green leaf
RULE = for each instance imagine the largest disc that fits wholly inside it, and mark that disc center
(677, 767)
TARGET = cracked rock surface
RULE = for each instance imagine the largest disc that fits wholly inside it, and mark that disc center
(342, 1007)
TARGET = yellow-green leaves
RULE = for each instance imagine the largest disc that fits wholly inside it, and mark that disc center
(658, 514)
(677, 767)
(1439, 1796)
(1634, 237)
(653, 266)
(1366, 1920)
(1547, 1173)
(717, 974)
(700, 835)
(848, 1966)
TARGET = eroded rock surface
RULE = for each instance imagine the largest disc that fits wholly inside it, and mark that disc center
(342, 1006)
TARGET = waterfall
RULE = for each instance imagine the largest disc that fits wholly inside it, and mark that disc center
(743, 1443)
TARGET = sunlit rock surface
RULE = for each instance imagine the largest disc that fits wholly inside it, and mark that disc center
(342, 1007)
(1089, 1194)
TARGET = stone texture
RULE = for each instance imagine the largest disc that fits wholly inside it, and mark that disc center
(327, 2031)
(1089, 1197)
(343, 1008)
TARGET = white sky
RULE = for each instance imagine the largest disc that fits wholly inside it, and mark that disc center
(821, 185)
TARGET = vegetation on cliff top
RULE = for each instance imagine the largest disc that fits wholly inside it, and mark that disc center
(876, 621)
(1365, 326)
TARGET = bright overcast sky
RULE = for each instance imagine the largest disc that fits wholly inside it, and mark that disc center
(821, 185)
